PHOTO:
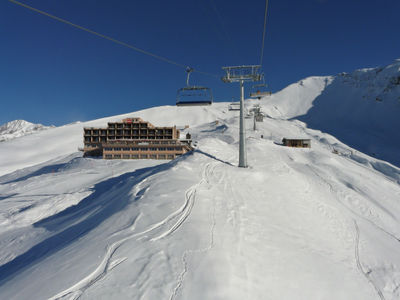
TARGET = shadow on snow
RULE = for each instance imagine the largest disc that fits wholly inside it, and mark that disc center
(108, 198)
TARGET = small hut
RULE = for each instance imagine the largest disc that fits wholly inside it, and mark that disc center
(297, 143)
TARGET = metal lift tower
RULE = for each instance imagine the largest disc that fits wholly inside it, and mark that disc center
(241, 74)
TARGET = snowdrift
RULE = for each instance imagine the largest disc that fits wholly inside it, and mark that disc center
(319, 223)
(361, 109)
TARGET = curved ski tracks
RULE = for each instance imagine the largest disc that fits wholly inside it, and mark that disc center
(207, 173)
(357, 231)
(106, 265)
(358, 262)
(74, 292)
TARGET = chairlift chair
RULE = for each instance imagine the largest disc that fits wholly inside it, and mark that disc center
(234, 106)
(192, 95)
(259, 90)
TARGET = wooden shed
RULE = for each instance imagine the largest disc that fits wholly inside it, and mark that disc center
(298, 143)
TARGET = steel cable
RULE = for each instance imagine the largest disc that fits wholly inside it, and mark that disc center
(263, 38)
(161, 58)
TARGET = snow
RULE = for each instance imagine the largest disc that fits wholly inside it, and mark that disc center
(361, 109)
(317, 223)
(18, 128)
(64, 140)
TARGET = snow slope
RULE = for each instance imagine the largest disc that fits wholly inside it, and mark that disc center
(361, 108)
(297, 224)
(18, 128)
(67, 139)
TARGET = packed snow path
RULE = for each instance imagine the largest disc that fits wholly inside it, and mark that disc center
(296, 224)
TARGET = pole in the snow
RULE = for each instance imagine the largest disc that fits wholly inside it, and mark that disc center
(254, 122)
(241, 74)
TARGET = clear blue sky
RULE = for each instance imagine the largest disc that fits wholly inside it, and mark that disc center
(52, 73)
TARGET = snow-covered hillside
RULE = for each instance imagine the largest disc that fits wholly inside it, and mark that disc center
(64, 140)
(297, 224)
(361, 109)
(18, 128)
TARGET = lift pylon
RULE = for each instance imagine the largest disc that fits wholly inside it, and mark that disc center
(241, 74)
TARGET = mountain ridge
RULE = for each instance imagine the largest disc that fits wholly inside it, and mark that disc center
(18, 128)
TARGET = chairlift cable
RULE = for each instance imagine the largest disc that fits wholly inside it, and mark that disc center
(263, 38)
(161, 58)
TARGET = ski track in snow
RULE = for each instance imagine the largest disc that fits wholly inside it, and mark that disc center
(355, 213)
(107, 264)
(190, 196)
(207, 173)
(341, 195)
(358, 262)
(357, 231)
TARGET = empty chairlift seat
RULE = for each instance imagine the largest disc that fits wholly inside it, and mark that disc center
(192, 95)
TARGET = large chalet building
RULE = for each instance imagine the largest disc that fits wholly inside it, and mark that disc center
(133, 138)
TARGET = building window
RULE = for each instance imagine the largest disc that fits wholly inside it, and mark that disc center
(143, 156)
(108, 156)
(107, 149)
(170, 156)
(135, 149)
(126, 149)
(117, 155)
(161, 156)
(117, 149)
(153, 149)
(170, 149)
(144, 149)
(135, 156)
(161, 149)
(126, 156)
(153, 156)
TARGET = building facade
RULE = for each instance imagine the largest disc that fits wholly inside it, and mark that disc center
(133, 138)
(297, 143)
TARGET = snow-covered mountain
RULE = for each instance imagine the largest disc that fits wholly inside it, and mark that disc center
(18, 128)
(297, 224)
(361, 109)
